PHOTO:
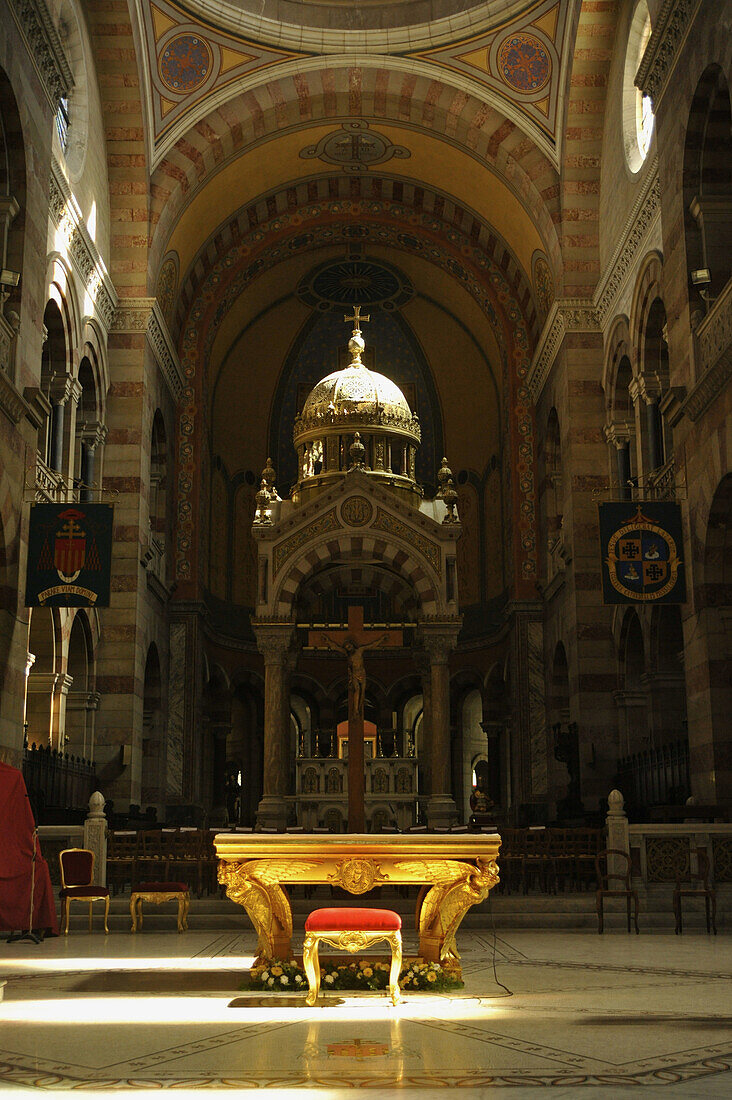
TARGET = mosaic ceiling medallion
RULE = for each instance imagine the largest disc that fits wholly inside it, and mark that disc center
(185, 63)
(355, 282)
(354, 147)
(524, 62)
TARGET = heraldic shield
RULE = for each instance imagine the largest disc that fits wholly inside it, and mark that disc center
(69, 555)
(640, 553)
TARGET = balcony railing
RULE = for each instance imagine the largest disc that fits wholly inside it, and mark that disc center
(714, 334)
(662, 482)
(51, 486)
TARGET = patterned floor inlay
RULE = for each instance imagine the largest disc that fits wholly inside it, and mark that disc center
(164, 1011)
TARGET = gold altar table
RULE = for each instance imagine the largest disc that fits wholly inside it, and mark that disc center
(455, 870)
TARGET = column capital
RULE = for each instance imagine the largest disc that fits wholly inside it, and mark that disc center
(646, 385)
(439, 642)
(618, 433)
(93, 433)
(273, 641)
(63, 387)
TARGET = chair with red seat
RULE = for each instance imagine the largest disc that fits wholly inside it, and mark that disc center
(351, 930)
(77, 878)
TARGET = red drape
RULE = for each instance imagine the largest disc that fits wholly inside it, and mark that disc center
(16, 861)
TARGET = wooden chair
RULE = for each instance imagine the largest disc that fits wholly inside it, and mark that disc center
(604, 878)
(77, 878)
(538, 862)
(151, 855)
(351, 930)
(121, 860)
(696, 886)
(184, 860)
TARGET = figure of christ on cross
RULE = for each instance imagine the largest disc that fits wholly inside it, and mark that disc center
(353, 642)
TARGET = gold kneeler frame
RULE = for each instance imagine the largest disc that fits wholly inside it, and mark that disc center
(350, 941)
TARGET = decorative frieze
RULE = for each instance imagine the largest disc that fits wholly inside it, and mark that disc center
(82, 251)
(139, 315)
(670, 29)
(631, 245)
(44, 46)
(566, 315)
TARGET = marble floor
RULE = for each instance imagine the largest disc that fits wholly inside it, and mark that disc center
(128, 1014)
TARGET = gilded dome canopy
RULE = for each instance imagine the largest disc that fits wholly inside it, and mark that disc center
(357, 397)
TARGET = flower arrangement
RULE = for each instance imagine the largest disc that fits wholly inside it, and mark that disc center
(367, 973)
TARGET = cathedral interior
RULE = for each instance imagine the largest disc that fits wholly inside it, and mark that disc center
(202, 203)
(365, 541)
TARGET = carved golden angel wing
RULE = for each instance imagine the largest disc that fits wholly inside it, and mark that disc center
(437, 872)
(274, 871)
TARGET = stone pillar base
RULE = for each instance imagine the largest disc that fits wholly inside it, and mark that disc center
(271, 813)
(441, 811)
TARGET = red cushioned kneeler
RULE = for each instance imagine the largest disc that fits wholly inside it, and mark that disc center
(16, 855)
(347, 920)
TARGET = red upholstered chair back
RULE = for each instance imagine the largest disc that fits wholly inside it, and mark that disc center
(77, 867)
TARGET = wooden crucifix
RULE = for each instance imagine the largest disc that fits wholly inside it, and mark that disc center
(353, 642)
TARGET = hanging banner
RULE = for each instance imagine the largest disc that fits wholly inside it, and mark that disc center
(69, 555)
(641, 547)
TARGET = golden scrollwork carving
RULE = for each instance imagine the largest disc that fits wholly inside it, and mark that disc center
(255, 885)
(358, 876)
(455, 888)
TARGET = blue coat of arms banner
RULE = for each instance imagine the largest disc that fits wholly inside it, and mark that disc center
(69, 555)
(641, 553)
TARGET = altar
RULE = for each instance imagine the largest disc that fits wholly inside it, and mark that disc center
(454, 871)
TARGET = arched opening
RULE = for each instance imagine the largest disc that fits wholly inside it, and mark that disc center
(88, 433)
(81, 701)
(497, 727)
(622, 419)
(216, 732)
(244, 759)
(44, 682)
(657, 439)
(153, 735)
(708, 190)
(54, 368)
(473, 746)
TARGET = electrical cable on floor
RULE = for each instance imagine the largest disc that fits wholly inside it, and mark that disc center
(509, 992)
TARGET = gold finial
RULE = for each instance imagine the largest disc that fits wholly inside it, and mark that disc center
(357, 343)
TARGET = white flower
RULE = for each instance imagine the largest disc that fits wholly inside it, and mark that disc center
(271, 981)
(285, 980)
(298, 979)
(329, 979)
(265, 975)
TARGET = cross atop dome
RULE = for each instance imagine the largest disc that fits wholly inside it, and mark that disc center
(357, 318)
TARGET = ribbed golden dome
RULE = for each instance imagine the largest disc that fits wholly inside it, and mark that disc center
(358, 390)
(358, 397)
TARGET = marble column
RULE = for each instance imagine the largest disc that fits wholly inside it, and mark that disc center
(441, 809)
(91, 437)
(220, 732)
(274, 644)
(619, 435)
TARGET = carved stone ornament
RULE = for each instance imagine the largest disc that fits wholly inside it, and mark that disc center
(646, 210)
(11, 402)
(356, 511)
(670, 29)
(145, 315)
(566, 315)
(44, 46)
(83, 253)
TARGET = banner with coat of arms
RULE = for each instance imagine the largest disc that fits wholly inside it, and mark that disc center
(641, 553)
(69, 555)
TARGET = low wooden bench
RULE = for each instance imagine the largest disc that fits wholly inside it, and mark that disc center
(351, 930)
